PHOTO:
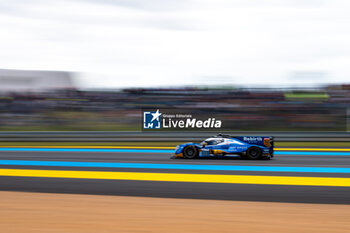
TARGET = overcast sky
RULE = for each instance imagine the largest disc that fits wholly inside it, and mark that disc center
(118, 43)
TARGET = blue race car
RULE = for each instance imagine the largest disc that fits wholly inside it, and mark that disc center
(249, 147)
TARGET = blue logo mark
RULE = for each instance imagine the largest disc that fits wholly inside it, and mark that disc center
(151, 120)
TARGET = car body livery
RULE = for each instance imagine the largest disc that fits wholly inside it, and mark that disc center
(249, 147)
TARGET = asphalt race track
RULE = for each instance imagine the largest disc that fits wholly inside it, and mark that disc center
(306, 176)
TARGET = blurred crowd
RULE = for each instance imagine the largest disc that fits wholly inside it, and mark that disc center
(255, 109)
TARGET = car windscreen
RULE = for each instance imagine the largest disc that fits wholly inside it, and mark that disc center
(211, 142)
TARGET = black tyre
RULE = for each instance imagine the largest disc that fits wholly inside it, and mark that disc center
(190, 152)
(253, 153)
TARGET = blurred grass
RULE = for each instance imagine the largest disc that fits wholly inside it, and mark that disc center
(79, 126)
(277, 144)
(90, 143)
(121, 121)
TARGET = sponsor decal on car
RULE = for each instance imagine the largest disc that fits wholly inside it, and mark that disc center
(252, 138)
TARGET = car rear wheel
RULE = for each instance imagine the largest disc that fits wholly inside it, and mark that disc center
(253, 153)
(190, 152)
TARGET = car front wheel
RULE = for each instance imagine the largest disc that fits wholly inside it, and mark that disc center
(190, 152)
